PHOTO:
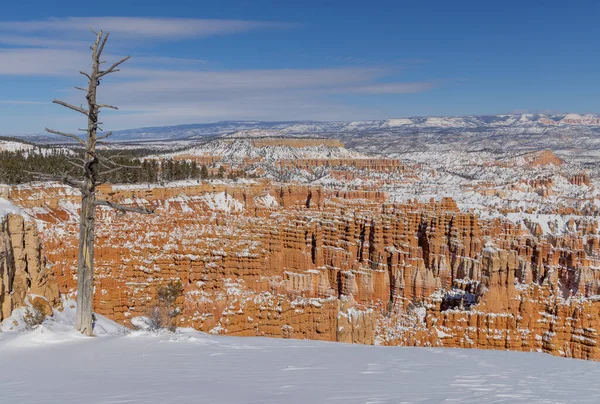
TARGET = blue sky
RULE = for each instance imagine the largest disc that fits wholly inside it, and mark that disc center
(205, 61)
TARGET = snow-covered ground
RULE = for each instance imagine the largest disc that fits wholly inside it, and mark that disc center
(52, 364)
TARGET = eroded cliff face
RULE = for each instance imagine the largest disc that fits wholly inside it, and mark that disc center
(308, 262)
(23, 269)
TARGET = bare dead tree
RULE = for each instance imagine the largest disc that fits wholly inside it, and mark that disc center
(92, 167)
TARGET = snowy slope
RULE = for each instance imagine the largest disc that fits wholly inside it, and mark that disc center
(7, 207)
(54, 365)
(238, 150)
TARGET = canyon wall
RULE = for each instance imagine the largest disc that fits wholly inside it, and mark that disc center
(295, 261)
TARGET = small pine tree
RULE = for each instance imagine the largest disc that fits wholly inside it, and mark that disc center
(203, 172)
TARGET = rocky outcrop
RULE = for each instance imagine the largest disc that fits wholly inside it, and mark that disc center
(23, 269)
(580, 179)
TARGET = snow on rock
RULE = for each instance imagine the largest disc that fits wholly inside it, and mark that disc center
(221, 201)
(6, 207)
(12, 146)
(267, 201)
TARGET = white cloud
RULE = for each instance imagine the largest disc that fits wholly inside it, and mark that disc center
(155, 28)
(41, 62)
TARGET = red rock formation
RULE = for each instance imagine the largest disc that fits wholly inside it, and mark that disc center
(580, 179)
(339, 266)
(23, 268)
(543, 158)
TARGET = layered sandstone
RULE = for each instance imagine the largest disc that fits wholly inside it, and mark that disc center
(23, 269)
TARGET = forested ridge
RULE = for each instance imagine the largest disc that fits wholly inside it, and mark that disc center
(19, 167)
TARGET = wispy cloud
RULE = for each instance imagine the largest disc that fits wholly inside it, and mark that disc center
(41, 62)
(21, 102)
(145, 80)
(155, 28)
(41, 42)
(165, 97)
(391, 88)
(161, 90)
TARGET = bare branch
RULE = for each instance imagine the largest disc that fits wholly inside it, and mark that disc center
(112, 170)
(104, 136)
(86, 75)
(69, 135)
(112, 68)
(99, 53)
(124, 209)
(92, 29)
(119, 165)
(75, 164)
(107, 106)
(73, 107)
(65, 179)
(80, 88)
(115, 156)
(95, 47)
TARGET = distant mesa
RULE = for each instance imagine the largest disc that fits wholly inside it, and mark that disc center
(534, 159)
(543, 158)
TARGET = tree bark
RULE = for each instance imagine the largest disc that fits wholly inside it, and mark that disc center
(87, 225)
(85, 265)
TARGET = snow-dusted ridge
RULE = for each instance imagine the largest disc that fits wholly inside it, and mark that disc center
(515, 122)
(238, 150)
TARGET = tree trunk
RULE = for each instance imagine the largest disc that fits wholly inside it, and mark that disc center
(85, 264)
(87, 225)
